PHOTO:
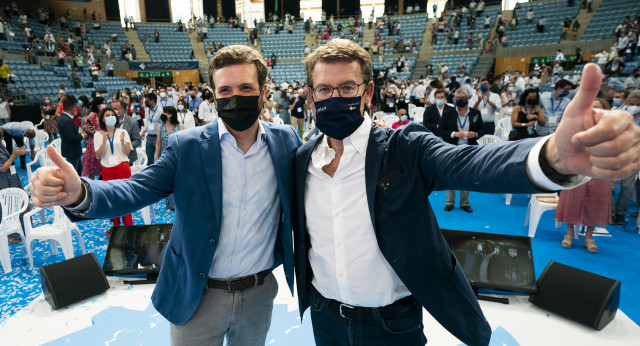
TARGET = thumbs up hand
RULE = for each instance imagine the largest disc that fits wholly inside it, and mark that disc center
(59, 185)
(598, 143)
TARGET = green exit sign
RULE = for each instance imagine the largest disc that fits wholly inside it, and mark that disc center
(149, 74)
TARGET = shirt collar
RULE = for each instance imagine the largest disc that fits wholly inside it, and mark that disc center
(360, 137)
(222, 129)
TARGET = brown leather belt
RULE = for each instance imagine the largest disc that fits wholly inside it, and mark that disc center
(239, 284)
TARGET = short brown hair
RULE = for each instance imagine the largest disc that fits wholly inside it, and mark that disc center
(339, 50)
(238, 54)
(440, 91)
(103, 125)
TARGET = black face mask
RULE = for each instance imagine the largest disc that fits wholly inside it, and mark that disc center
(146, 103)
(239, 112)
(163, 118)
(462, 103)
(532, 102)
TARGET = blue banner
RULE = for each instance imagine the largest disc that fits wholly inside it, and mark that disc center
(178, 65)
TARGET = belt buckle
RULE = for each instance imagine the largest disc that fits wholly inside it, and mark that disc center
(345, 305)
(255, 284)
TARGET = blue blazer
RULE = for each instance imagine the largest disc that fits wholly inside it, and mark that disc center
(191, 169)
(415, 162)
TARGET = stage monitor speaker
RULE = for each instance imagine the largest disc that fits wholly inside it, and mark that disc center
(73, 280)
(576, 294)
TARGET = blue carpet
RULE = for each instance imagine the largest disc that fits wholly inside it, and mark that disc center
(617, 256)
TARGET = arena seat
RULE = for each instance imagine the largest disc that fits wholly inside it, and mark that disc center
(607, 17)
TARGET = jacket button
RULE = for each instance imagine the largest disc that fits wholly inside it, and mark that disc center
(202, 276)
(212, 242)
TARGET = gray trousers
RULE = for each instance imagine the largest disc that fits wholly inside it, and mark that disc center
(464, 198)
(626, 189)
(243, 317)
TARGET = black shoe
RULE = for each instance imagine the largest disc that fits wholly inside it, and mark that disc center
(448, 207)
(617, 220)
(467, 209)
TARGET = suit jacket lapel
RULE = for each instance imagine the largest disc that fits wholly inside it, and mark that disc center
(375, 151)
(277, 149)
(212, 162)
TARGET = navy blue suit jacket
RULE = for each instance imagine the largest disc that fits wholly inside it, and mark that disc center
(405, 226)
(191, 169)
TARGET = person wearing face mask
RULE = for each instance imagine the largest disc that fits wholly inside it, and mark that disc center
(403, 119)
(369, 251)
(619, 101)
(509, 99)
(5, 111)
(123, 96)
(525, 116)
(131, 126)
(488, 104)
(435, 112)
(553, 105)
(298, 108)
(112, 147)
(619, 209)
(164, 99)
(282, 105)
(91, 166)
(462, 127)
(151, 123)
(50, 124)
(224, 241)
(185, 117)
(169, 126)
(194, 102)
(135, 109)
(207, 110)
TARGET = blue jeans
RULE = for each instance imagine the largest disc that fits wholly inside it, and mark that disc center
(331, 329)
(151, 149)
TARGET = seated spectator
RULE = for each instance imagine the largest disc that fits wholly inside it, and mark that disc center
(526, 115)
(403, 119)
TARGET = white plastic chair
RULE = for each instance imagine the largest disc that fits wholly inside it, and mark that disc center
(411, 109)
(278, 120)
(486, 139)
(57, 144)
(57, 232)
(41, 138)
(378, 116)
(27, 189)
(535, 210)
(418, 114)
(13, 202)
(503, 128)
(390, 119)
(142, 159)
(42, 159)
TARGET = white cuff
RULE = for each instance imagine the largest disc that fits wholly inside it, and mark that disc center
(539, 179)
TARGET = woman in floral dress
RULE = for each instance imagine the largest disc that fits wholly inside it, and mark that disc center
(91, 166)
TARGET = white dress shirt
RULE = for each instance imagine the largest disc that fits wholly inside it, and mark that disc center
(488, 113)
(186, 119)
(207, 111)
(167, 101)
(347, 263)
(250, 208)
(152, 119)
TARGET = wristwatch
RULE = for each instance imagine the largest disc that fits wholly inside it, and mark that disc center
(551, 173)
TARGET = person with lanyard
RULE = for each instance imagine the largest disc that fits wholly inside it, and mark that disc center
(136, 109)
(488, 104)
(164, 100)
(150, 127)
(433, 114)
(207, 109)
(127, 123)
(509, 100)
(553, 105)
(169, 126)
(112, 147)
(185, 117)
(526, 114)
(462, 127)
(194, 102)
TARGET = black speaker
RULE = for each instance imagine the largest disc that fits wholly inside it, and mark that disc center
(578, 295)
(73, 280)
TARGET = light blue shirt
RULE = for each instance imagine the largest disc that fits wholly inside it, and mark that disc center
(17, 129)
(166, 102)
(553, 110)
(250, 208)
(152, 119)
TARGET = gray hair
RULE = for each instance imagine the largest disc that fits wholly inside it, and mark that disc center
(634, 94)
(461, 91)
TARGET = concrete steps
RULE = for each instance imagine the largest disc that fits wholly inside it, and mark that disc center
(201, 55)
(584, 18)
(484, 66)
(134, 39)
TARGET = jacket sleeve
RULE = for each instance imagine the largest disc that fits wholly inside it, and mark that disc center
(481, 130)
(135, 134)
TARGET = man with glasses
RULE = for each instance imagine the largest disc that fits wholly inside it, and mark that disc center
(369, 252)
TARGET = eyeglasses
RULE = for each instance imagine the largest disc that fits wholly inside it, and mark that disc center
(348, 89)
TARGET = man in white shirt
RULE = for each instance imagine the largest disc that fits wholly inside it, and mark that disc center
(633, 82)
(488, 104)
(207, 111)
(419, 94)
(553, 106)
(164, 99)
(152, 112)
(369, 253)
